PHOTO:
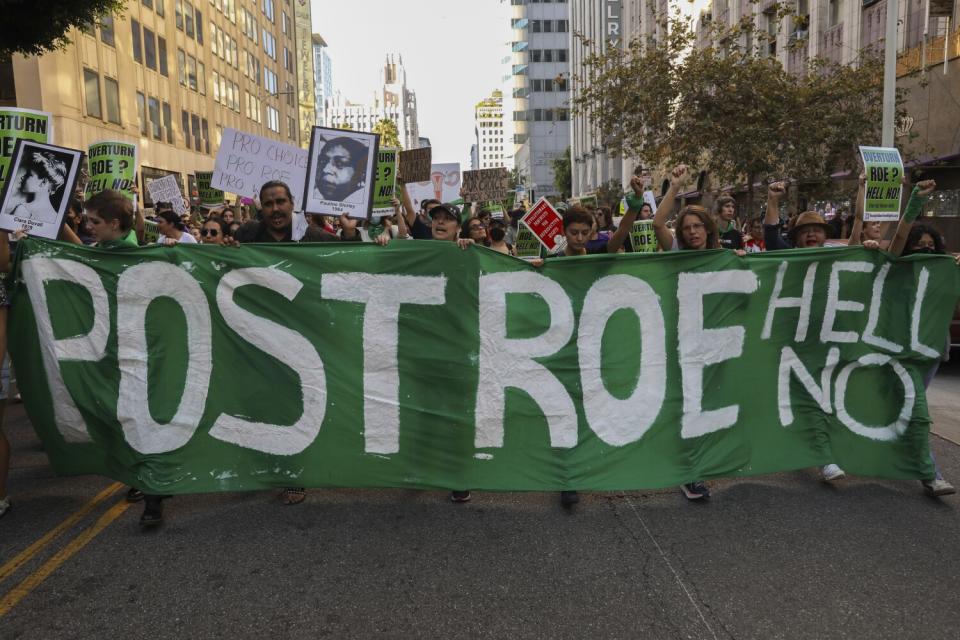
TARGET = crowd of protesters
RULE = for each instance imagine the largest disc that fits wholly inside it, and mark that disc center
(108, 220)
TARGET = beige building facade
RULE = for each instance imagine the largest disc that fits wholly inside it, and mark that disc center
(169, 76)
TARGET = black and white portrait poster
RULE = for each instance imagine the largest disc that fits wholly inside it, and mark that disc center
(36, 196)
(340, 172)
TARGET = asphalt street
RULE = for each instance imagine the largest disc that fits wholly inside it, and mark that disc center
(780, 556)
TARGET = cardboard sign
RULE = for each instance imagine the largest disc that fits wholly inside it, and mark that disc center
(17, 124)
(884, 190)
(385, 184)
(37, 195)
(340, 172)
(209, 197)
(112, 165)
(526, 244)
(485, 184)
(167, 189)
(444, 185)
(546, 223)
(415, 164)
(245, 162)
(643, 239)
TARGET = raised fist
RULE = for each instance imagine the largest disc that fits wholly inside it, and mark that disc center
(926, 187)
(777, 189)
(679, 175)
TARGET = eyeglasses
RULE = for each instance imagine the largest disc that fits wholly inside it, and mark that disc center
(209, 232)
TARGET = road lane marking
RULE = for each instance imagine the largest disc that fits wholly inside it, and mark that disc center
(24, 556)
(10, 600)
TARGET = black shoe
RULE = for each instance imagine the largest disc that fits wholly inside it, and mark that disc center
(459, 496)
(134, 495)
(569, 498)
(152, 512)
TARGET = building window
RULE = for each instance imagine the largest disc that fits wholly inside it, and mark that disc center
(142, 113)
(273, 119)
(156, 128)
(205, 129)
(188, 19)
(535, 55)
(216, 87)
(158, 4)
(106, 30)
(268, 9)
(287, 59)
(192, 72)
(91, 89)
(201, 79)
(548, 26)
(185, 123)
(199, 26)
(291, 128)
(270, 81)
(195, 126)
(269, 44)
(253, 107)
(563, 26)
(150, 49)
(168, 122)
(112, 91)
(561, 55)
(535, 26)
(148, 4)
(137, 43)
(182, 67)
(162, 56)
(548, 55)
(178, 12)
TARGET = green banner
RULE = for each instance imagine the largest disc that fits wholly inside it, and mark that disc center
(643, 238)
(209, 197)
(112, 165)
(385, 183)
(21, 123)
(201, 368)
(884, 170)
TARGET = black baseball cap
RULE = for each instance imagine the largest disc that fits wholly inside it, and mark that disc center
(451, 210)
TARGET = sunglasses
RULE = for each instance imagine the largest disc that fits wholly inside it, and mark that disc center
(209, 232)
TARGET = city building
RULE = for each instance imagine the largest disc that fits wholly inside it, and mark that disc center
(322, 78)
(306, 91)
(392, 101)
(540, 91)
(169, 76)
(474, 157)
(488, 129)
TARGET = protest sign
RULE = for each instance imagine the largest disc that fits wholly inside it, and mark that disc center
(526, 244)
(415, 164)
(547, 384)
(589, 201)
(546, 223)
(112, 165)
(385, 184)
(37, 195)
(494, 208)
(444, 185)
(884, 190)
(246, 161)
(151, 232)
(485, 184)
(340, 172)
(25, 124)
(167, 189)
(643, 239)
(209, 197)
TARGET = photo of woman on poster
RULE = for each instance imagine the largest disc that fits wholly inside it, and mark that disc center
(39, 186)
(340, 174)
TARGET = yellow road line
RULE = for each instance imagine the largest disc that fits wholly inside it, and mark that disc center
(28, 553)
(10, 600)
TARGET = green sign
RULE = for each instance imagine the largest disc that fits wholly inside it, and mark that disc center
(112, 165)
(209, 197)
(151, 232)
(385, 184)
(884, 170)
(526, 245)
(643, 238)
(203, 368)
(590, 202)
(21, 123)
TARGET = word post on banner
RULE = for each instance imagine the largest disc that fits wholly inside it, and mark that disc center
(604, 373)
(385, 185)
(37, 195)
(209, 196)
(340, 172)
(245, 162)
(112, 165)
(167, 189)
(415, 164)
(884, 190)
(26, 124)
(546, 223)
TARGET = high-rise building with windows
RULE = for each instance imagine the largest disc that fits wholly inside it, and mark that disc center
(541, 89)
(491, 146)
(322, 79)
(306, 92)
(169, 76)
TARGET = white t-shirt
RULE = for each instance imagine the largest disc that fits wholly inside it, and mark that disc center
(185, 238)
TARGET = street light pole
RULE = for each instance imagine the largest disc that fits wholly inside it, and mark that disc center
(890, 73)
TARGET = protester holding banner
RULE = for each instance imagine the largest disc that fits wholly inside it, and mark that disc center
(214, 231)
(172, 229)
(498, 238)
(753, 243)
(695, 229)
(728, 231)
(476, 230)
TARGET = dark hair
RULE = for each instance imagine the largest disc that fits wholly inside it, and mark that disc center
(220, 225)
(707, 220)
(358, 156)
(170, 216)
(111, 205)
(575, 214)
(76, 204)
(721, 202)
(607, 218)
(918, 232)
(275, 183)
(465, 227)
(426, 203)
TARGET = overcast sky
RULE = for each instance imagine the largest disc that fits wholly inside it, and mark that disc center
(451, 50)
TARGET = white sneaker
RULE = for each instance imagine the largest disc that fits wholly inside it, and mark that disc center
(938, 487)
(4, 505)
(832, 472)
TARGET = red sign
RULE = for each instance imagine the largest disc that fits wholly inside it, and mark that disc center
(546, 223)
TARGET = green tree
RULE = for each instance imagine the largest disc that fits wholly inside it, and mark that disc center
(562, 174)
(33, 30)
(389, 135)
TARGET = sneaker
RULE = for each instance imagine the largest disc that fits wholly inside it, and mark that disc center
(695, 490)
(938, 487)
(459, 496)
(832, 472)
(569, 498)
(134, 495)
(4, 505)
(152, 512)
